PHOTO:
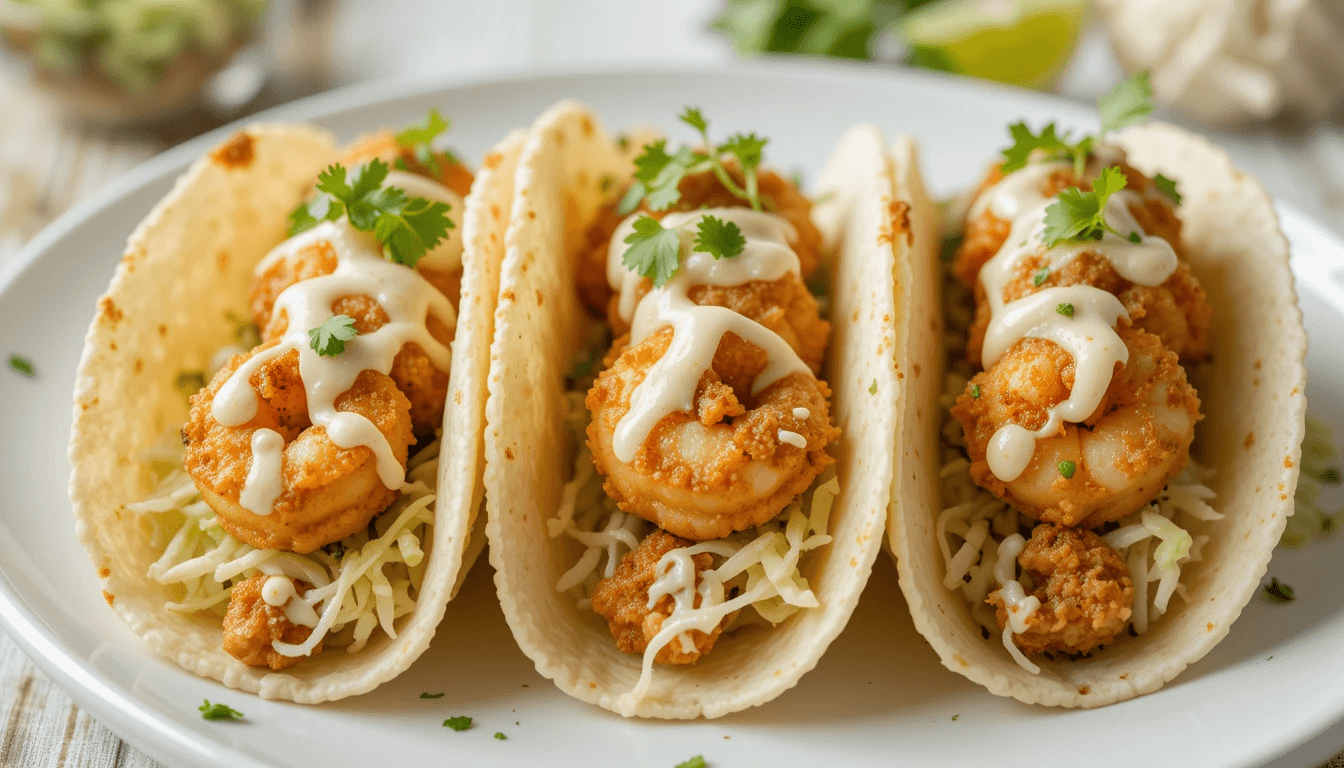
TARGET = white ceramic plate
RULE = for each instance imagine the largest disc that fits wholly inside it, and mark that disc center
(879, 696)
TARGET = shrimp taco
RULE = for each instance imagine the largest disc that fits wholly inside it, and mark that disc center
(1123, 411)
(279, 410)
(690, 400)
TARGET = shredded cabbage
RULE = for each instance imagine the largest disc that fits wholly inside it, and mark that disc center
(364, 582)
(762, 565)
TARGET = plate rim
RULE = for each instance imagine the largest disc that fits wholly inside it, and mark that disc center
(144, 727)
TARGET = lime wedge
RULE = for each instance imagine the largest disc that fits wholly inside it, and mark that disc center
(1020, 42)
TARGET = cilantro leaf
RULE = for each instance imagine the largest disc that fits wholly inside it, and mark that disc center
(307, 215)
(1079, 216)
(654, 252)
(500, 735)
(695, 762)
(406, 226)
(748, 148)
(872, 388)
(329, 338)
(693, 117)
(1167, 187)
(1067, 468)
(218, 712)
(1279, 592)
(459, 723)
(1025, 142)
(1128, 103)
(419, 140)
(1065, 309)
(20, 364)
(658, 173)
(720, 239)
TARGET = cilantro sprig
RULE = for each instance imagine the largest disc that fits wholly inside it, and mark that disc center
(1128, 103)
(459, 723)
(329, 338)
(1078, 216)
(406, 226)
(418, 140)
(658, 173)
(218, 712)
(655, 250)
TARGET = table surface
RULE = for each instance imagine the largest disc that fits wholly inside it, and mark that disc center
(47, 165)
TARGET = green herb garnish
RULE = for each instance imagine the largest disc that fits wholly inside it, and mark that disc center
(1041, 276)
(328, 339)
(654, 252)
(720, 239)
(1078, 216)
(21, 365)
(872, 388)
(459, 723)
(1128, 103)
(1167, 187)
(418, 140)
(658, 173)
(1067, 468)
(954, 717)
(406, 226)
(695, 762)
(189, 382)
(975, 391)
(500, 735)
(1279, 592)
(1329, 476)
(1064, 309)
(218, 712)
(431, 695)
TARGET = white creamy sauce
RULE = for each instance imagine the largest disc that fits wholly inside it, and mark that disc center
(264, 476)
(792, 438)
(669, 386)
(1088, 335)
(279, 591)
(406, 298)
(802, 414)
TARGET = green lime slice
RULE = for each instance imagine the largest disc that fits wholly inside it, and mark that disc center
(1020, 42)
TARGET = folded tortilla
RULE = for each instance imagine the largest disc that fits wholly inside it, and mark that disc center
(568, 167)
(1253, 395)
(185, 269)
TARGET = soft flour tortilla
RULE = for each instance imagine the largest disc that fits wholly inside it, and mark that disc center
(1254, 408)
(185, 268)
(568, 168)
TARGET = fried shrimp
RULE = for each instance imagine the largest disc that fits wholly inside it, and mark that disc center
(732, 464)
(702, 190)
(1177, 311)
(326, 492)
(623, 600)
(425, 385)
(1084, 588)
(252, 626)
(1097, 471)
(986, 233)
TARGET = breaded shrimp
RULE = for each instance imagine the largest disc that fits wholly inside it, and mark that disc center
(251, 627)
(415, 375)
(1177, 311)
(623, 600)
(1121, 455)
(986, 233)
(727, 466)
(328, 492)
(1084, 587)
(701, 190)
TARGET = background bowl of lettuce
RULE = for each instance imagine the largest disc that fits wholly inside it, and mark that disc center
(124, 62)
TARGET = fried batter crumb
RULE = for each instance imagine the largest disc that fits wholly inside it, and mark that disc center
(1084, 587)
(623, 598)
(251, 627)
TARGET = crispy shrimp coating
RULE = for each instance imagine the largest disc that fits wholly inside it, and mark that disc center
(1084, 587)
(701, 190)
(623, 600)
(986, 234)
(328, 492)
(723, 468)
(415, 374)
(251, 626)
(1122, 454)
